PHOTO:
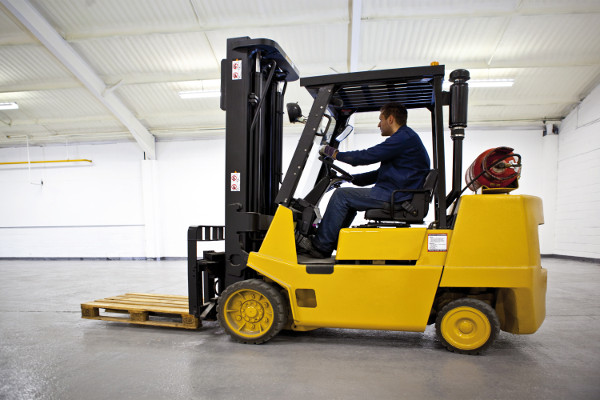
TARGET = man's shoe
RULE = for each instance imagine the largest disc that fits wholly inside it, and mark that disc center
(314, 253)
(305, 246)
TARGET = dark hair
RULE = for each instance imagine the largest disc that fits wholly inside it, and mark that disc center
(396, 110)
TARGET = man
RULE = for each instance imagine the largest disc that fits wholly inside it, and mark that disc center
(404, 164)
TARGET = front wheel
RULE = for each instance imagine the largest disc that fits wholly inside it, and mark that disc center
(251, 311)
(467, 326)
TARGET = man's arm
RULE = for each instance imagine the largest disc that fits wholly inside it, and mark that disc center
(365, 179)
(391, 148)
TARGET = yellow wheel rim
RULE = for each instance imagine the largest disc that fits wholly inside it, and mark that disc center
(248, 313)
(466, 328)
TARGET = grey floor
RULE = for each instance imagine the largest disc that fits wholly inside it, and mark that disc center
(48, 352)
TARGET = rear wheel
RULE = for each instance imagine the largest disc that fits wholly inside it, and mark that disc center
(467, 326)
(251, 311)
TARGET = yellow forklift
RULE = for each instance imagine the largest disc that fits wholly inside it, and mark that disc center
(473, 271)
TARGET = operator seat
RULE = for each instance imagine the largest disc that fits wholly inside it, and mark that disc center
(409, 211)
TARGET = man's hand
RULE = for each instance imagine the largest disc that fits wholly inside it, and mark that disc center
(328, 151)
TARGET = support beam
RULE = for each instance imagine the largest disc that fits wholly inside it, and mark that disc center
(150, 195)
(354, 33)
(355, 8)
(53, 41)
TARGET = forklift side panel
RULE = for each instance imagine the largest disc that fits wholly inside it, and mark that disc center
(395, 297)
(380, 244)
(279, 241)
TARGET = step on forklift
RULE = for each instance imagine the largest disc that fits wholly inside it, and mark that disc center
(393, 273)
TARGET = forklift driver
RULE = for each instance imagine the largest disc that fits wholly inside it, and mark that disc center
(404, 164)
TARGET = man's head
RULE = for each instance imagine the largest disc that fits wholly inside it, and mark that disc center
(392, 116)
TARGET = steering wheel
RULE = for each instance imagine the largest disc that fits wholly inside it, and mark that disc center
(330, 165)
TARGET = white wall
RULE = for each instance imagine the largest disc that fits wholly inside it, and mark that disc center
(192, 192)
(123, 206)
(103, 210)
(79, 211)
(578, 190)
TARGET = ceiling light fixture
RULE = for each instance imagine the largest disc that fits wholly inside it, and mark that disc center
(9, 106)
(491, 83)
(199, 94)
(485, 83)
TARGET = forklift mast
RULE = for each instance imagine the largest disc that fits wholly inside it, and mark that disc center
(254, 77)
(252, 97)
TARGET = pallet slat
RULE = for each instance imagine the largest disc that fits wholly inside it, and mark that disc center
(140, 307)
(159, 296)
(135, 300)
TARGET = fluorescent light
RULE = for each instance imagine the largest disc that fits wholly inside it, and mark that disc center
(199, 94)
(485, 83)
(490, 83)
(9, 106)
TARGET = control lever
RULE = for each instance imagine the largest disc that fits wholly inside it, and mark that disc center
(329, 162)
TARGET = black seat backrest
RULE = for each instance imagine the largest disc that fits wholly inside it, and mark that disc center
(409, 211)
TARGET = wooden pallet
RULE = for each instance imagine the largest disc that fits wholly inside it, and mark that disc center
(143, 309)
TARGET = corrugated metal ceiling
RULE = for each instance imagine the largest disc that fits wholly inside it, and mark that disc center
(146, 51)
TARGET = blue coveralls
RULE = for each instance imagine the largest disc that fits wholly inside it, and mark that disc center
(404, 164)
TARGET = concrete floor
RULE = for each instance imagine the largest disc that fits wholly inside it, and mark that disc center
(48, 352)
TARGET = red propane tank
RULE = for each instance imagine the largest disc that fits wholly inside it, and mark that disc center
(494, 168)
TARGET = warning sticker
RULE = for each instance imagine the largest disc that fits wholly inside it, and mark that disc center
(437, 242)
(235, 181)
(236, 70)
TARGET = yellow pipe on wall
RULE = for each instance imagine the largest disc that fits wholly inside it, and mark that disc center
(42, 162)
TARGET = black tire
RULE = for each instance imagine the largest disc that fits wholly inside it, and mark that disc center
(251, 311)
(467, 326)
